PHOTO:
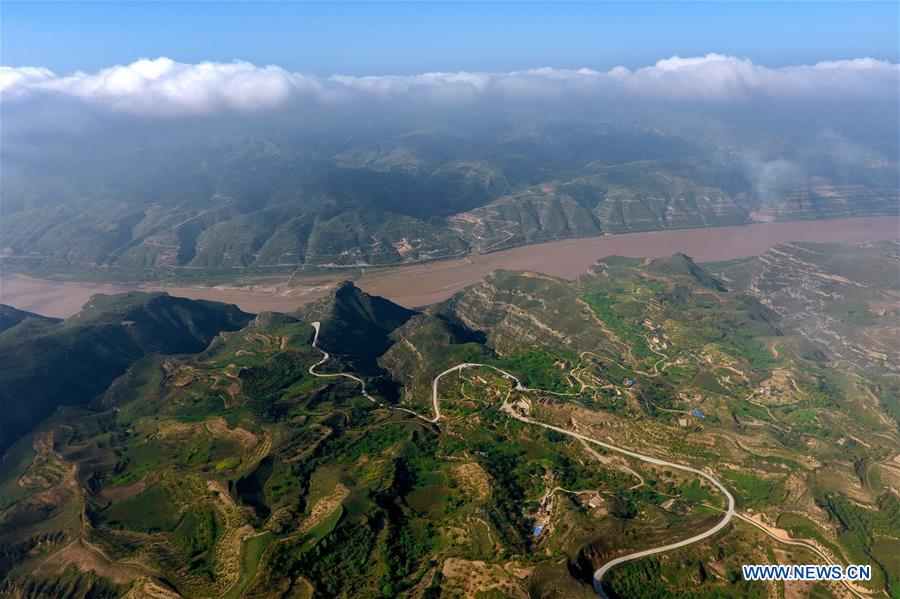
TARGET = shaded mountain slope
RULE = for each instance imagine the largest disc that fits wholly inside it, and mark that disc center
(10, 317)
(680, 265)
(69, 363)
(427, 344)
(355, 326)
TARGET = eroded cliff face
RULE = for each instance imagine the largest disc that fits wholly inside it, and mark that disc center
(647, 200)
(527, 308)
(824, 200)
(826, 293)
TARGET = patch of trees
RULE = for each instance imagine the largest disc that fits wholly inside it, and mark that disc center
(264, 384)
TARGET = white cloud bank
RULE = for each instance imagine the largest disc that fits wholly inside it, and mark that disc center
(165, 88)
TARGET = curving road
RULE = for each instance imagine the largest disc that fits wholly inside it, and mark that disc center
(801, 543)
(730, 513)
(325, 357)
(362, 384)
(598, 574)
(518, 386)
(434, 385)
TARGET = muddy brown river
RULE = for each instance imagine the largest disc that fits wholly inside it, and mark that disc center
(423, 284)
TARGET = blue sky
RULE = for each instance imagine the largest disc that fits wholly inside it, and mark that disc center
(407, 38)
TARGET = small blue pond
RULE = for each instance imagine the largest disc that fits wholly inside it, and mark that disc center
(698, 413)
(537, 530)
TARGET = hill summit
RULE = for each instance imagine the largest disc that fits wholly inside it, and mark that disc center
(356, 325)
(683, 265)
(70, 362)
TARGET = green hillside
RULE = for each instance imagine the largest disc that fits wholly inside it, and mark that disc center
(355, 326)
(250, 467)
(10, 317)
(50, 363)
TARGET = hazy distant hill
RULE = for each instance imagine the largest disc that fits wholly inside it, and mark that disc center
(402, 193)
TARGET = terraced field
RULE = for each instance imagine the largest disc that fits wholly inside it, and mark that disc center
(260, 467)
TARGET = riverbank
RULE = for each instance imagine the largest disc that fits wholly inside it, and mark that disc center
(423, 284)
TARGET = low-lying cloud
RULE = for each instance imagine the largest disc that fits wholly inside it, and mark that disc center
(165, 88)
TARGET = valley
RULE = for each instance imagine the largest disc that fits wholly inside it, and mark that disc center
(212, 204)
(449, 300)
(423, 284)
(653, 423)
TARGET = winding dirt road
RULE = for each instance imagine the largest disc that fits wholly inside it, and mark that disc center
(598, 574)
(729, 514)
(362, 384)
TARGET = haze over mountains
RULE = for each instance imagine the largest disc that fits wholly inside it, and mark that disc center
(121, 170)
(443, 300)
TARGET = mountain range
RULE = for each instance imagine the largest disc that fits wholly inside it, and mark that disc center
(406, 192)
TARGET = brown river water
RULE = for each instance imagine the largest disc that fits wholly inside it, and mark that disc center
(424, 284)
